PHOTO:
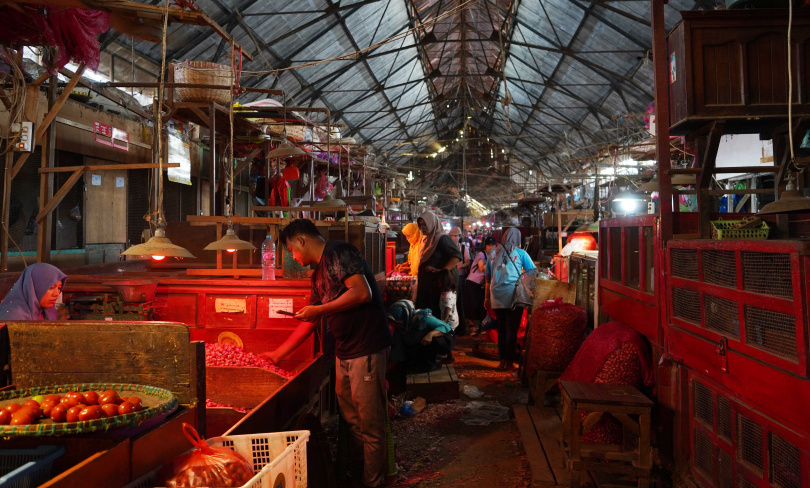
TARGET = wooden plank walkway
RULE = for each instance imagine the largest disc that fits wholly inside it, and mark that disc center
(541, 433)
(436, 386)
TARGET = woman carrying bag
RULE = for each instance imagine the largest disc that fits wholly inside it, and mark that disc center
(505, 293)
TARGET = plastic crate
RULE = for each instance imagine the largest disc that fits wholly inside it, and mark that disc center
(23, 468)
(721, 230)
(279, 459)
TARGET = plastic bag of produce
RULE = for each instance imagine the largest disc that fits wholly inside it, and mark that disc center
(205, 466)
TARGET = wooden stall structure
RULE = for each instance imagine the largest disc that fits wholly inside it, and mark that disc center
(154, 354)
(726, 319)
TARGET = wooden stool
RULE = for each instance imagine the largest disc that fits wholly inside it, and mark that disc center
(540, 384)
(630, 458)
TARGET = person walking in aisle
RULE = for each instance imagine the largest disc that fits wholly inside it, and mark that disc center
(505, 264)
(438, 252)
(345, 294)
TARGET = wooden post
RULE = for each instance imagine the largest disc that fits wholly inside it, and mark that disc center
(48, 160)
(6, 209)
(212, 152)
(707, 165)
(661, 72)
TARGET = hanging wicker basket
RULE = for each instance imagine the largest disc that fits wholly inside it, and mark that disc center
(202, 72)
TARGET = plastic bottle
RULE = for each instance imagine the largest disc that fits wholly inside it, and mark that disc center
(269, 259)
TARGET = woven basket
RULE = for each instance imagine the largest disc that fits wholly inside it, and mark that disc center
(202, 72)
(721, 229)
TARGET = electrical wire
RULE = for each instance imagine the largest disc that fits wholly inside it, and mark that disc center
(159, 125)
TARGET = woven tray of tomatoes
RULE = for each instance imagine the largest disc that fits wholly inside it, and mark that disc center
(80, 408)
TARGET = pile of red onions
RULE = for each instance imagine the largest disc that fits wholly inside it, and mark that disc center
(227, 355)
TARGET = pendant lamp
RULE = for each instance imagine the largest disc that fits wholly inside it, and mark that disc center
(286, 149)
(229, 242)
(791, 200)
(159, 246)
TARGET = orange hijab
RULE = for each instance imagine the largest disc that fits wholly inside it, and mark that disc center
(411, 232)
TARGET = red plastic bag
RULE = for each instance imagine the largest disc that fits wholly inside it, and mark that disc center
(205, 466)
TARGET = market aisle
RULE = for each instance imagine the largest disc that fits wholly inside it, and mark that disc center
(435, 448)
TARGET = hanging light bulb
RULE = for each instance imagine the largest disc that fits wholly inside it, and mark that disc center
(159, 246)
(229, 242)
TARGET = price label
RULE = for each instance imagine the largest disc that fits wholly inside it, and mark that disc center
(279, 304)
(230, 305)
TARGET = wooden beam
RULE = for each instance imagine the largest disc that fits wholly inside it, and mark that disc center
(661, 89)
(61, 194)
(103, 167)
(49, 117)
(46, 181)
(749, 191)
(707, 166)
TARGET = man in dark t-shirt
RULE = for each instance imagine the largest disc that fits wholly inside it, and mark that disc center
(345, 294)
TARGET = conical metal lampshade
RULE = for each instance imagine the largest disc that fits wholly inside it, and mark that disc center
(791, 200)
(649, 186)
(229, 242)
(285, 150)
(157, 246)
(677, 180)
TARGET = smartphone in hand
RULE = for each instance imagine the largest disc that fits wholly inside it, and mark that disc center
(284, 312)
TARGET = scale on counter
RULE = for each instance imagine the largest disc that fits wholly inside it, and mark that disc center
(134, 301)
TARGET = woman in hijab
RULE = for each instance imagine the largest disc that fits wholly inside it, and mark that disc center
(505, 265)
(34, 295)
(414, 236)
(439, 252)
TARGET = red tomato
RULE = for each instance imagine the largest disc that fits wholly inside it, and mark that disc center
(109, 396)
(5, 417)
(69, 401)
(55, 398)
(59, 412)
(90, 413)
(110, 409)
(47, 406)
(125, 408)
(136, 403)
(34, 411)
(76, 396)
(13, 408)
(73, 414)
(22, 417)
(91, 397)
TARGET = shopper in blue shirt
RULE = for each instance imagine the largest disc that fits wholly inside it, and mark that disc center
(504, 266)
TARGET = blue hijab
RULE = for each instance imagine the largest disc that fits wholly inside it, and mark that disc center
(22, 302)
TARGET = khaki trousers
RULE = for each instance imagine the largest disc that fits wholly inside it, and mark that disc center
(360, 390)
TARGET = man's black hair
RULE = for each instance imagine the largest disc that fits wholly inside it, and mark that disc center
(298, 227)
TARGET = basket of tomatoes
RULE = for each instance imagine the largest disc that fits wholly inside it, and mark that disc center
(80, 408)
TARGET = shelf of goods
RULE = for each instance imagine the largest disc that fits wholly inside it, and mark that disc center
(241, 316)
(86, 353)
(727, 324)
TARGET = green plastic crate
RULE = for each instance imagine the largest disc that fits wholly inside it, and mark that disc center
(721, 230)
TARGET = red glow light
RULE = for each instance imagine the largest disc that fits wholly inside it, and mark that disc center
(158, 258)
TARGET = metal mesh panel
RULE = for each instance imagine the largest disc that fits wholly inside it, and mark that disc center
(703, 454)
(616, 254)
(684, 263)
(137, 204)
(743, 482)
(703, 403)
(767, 273)
(686, 305)
(771, 331)
(649, 258)
(723, 418)
(720, 268)
(725, 470)
(631, 257)
(784, 463)
(722, 316)
(749, 443)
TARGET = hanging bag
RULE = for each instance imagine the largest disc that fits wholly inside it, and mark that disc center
(522, 296)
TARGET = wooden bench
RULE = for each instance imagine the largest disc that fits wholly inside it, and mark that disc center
(630, 407)
(541, 384)
(436, 386)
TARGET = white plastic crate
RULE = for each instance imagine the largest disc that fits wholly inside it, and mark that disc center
(21, 468)
(279, 459)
